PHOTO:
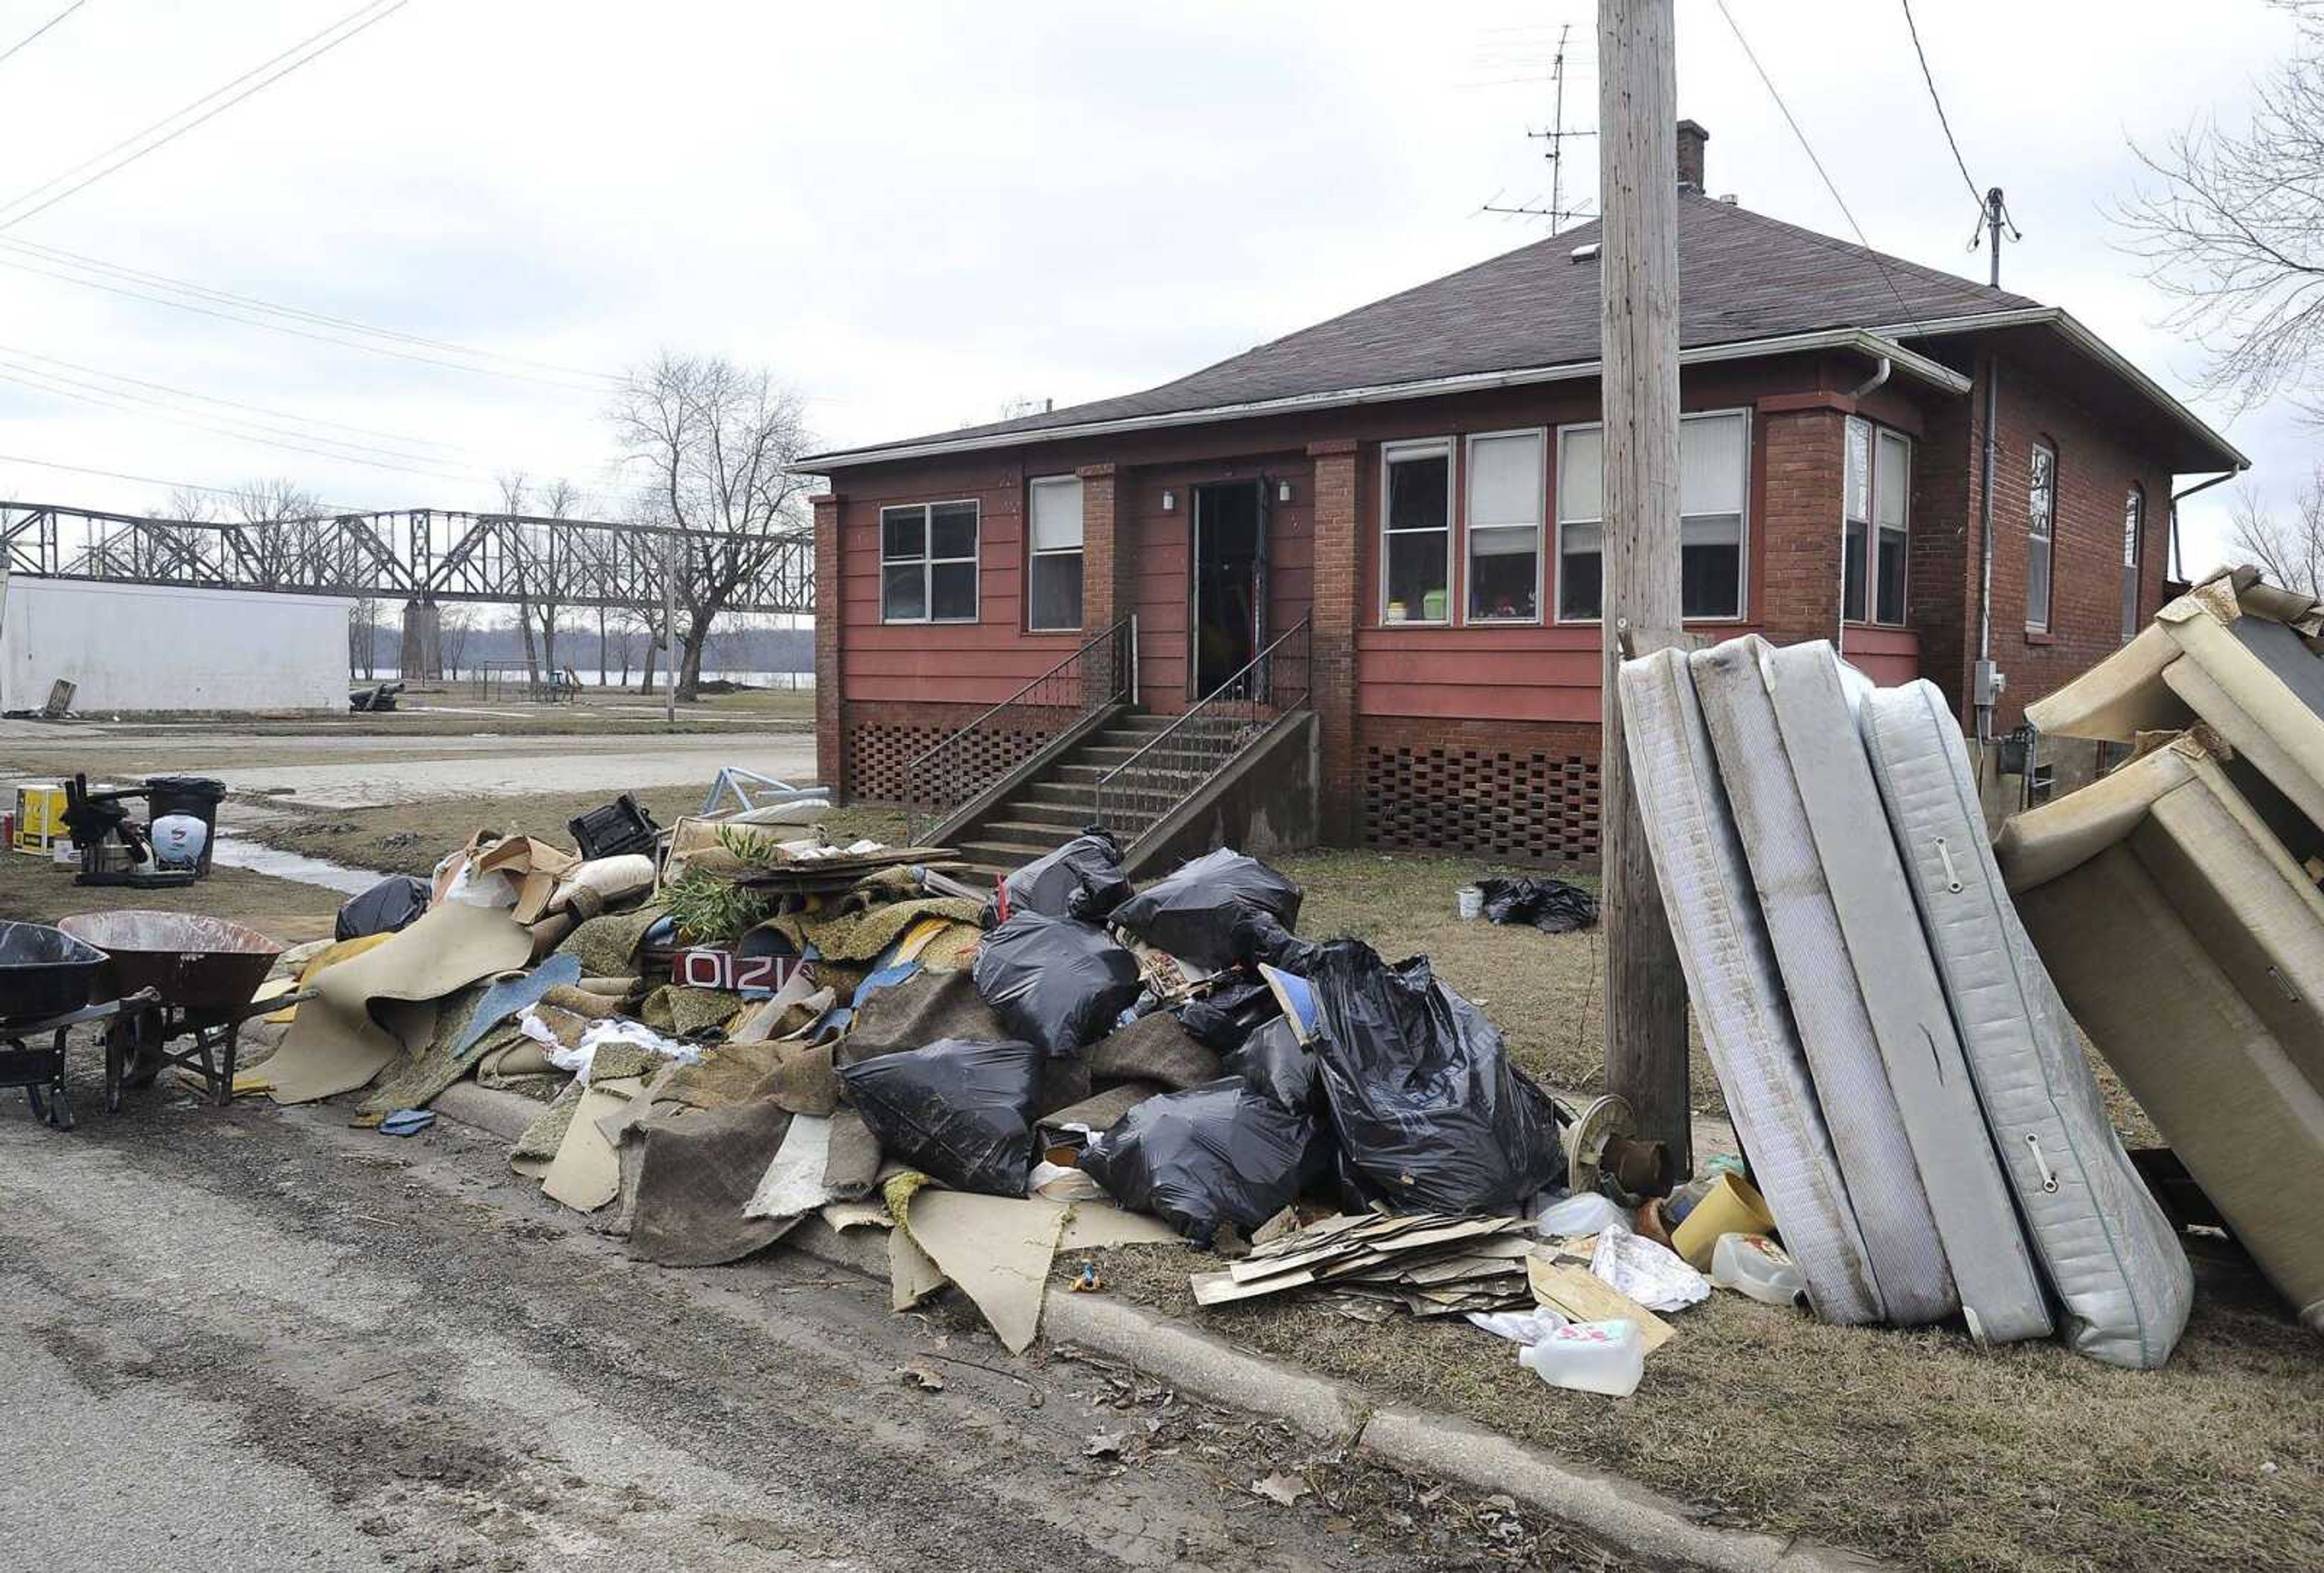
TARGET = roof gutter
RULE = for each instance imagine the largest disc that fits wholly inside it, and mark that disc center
(1863, 340)
(2090, 344)
(2179, 558)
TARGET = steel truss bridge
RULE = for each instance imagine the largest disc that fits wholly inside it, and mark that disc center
(421, 556)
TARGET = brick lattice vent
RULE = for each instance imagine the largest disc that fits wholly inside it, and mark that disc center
(1529, 808)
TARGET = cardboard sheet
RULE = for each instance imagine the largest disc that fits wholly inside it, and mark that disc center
(997, 1249)
(337, 1043)
(1572, 1290)
(1093, 1226)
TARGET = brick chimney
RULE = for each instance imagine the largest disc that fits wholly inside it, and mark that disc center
(1691, 138)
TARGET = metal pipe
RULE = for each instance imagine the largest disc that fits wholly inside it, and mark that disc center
(1982, 683)
(2177, 556)
(1878, 376)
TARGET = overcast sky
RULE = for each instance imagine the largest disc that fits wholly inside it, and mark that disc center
(918, 213)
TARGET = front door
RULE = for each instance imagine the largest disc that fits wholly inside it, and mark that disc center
(1229, 574)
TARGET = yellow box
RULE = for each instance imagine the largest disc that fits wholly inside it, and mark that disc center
(40, 815)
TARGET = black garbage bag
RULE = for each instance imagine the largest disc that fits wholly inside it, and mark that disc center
(1274, 1063)
(1551, 906)
(1057, 982)
(1421, 1091)
(1082, 879)
(1198, 912)
(1217, 1154)
(1222, 1019)
(959, 1110)
(394, 903)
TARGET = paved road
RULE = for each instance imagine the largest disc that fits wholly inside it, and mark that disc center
(258, 1341)
(356, 772)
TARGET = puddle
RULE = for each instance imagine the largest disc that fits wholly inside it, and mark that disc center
(236, 853)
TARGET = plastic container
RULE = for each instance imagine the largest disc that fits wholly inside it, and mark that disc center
(1470, 903)
(198, 796)
(40, 817)
(1607, 1357)
(1754, 1266)
(1730, 1207)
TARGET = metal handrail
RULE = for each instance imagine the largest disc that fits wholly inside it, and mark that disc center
(1199, 742)
(944, 785)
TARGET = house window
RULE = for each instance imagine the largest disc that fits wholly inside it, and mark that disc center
(1714, 464)
(1877, 493)
(1416, 533)
(927, 563)
(2041, 535)
(2134, 534)
(1503, 517)
(1054, 570)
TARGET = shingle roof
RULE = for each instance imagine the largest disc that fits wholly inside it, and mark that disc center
(1742, 275)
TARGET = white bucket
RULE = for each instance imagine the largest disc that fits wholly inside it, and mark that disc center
(1470, 902)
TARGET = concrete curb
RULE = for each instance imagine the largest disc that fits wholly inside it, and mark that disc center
(1628, 1514)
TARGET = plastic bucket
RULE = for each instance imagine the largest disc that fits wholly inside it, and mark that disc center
(1730, 1207)
(1470, 902)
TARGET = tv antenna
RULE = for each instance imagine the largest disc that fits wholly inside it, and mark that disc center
(1557, 212)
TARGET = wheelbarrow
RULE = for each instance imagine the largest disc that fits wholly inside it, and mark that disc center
(46, 977)
(201, 974)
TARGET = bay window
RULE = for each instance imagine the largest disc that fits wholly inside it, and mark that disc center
(928, 562)
(1416, 531)
(1504, 515)
(1876, 512)
(1714, 478)
(1053, 568)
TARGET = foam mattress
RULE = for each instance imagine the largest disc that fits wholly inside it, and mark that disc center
(1815, 701)
(2190, 948)
(1835, 1026)
(1737, 991)
(2109, 1253)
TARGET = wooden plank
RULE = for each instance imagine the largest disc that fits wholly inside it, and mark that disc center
(1574, 1290)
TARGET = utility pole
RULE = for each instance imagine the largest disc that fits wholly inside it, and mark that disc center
(1638, 194)
(670, 557)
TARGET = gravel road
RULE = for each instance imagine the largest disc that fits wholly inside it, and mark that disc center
(257, 1339)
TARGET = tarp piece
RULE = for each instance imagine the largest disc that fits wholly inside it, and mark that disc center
(338, 1044)
(1554, 906)
(2111, 1255)
(699, 1170)
(997, 1250)
(2191, 949)
(1082, 879)
(1827, 1002)
(2233, 653)
(1424, 1098)
(1218, 1155)
(1057, 982)
(1815, 710)
(959, 1111)
(1192, 911)
(394, 903)
(1737, 995)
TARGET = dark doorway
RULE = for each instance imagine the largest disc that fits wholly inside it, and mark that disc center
(1230, 574)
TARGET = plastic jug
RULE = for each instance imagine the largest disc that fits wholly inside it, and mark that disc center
(1607, 1357)
(1754, 1266)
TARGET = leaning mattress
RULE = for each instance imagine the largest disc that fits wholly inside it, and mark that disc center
(1737, 995)
(1835, 1026)
(2112, 1257)
(2190, 948)
(1815, 700)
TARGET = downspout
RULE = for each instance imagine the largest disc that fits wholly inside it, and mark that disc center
(2177, 556)
(1985, 682)
(1840, 624)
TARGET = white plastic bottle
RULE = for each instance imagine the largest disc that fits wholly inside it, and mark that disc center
(1607, 1357)
(1754, 1266)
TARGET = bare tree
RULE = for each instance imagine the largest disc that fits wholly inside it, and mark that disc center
(362, 637)
(718, 443)
(557, 570)
(2231, 225)
(452, 627)
(280, 531)
(2288, 547)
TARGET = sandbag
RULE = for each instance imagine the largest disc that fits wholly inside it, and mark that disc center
(1274, 1063)
(1422, 1094)
(1082, 879)
(394, 903)
(958, 1110)
(1554, 906)
(1055, 982)
(1192, 912)
(1217, 1154)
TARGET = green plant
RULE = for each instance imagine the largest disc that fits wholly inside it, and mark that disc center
(710, 908)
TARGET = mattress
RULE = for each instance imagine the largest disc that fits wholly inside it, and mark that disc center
(2110, 1255)
(1737, 992)
(1826, 1003)
(2233, 653)
(2191, 948)
(2000, 1292)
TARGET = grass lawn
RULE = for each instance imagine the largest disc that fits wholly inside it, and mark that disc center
(34, 890)
(453, 710)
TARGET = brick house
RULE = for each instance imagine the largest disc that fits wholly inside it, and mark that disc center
(1412, 487)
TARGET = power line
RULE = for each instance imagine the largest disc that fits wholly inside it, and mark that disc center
(1960, 162)
(11, 52)
(115, 475)
(377, 16)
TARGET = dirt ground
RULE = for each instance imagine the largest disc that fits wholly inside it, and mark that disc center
(455, 709)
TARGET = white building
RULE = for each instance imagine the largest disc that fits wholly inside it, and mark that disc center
(154, 647)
